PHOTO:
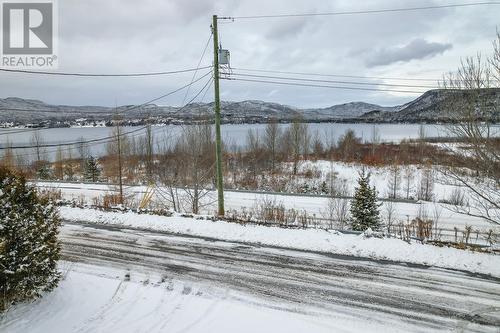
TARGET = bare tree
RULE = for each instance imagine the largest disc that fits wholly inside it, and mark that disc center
(347, 144)
(40, 165)
(196, 146)
(474, 108)
(59, 164)
(306, 139)
(296, 142)
(8, 159)
(338, 207)
(69, 166)
(83, 152)
(375, 140)
(421, 132)
(390, 211)
(408, 181)
(37, 141)
(148, 144)
(296, 135)
(317, 146)
(495, 59)
(169, 171)
(330, 143)
(436, 215)
(271, 137)
(426, 188)
(421, 140)
(254, 152)
(394, 181)
(117, 151)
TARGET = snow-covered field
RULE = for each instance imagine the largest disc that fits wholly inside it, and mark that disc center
(379, 177)
(303, 239)
(443, 215)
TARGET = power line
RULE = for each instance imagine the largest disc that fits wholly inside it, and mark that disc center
(324, 86)
(108, 110)
(99, 140)
(65, 144)
(102, 75)
(374, 11)
(205, 93)
(58, 110)
(337, 75)
(111, 138)
(197, 66)
(22, 131)
(335, 81)
(122, 111)
(169, 93)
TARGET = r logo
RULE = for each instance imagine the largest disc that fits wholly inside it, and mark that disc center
(27, 28)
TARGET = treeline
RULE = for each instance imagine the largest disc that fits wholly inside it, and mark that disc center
(187, 160)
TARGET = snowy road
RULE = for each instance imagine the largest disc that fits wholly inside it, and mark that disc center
(378, 294)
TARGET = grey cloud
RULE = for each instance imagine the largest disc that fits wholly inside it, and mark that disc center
(289, 28)
(416, 49)
(117, 36)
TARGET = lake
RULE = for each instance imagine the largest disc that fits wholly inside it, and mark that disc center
(232, 134)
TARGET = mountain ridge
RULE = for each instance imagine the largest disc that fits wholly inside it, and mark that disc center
(428, 107)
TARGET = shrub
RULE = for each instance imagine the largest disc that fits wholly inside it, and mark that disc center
(29, 248)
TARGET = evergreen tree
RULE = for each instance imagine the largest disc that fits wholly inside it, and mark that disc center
(92, 170)
(43, 171)
(364, 208)
(29, 248)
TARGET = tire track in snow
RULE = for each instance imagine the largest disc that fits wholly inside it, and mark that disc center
(406, 295)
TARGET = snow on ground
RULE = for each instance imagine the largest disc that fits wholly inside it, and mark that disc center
(99, 299)
(403, 211)
(303, 239)
(379, 177)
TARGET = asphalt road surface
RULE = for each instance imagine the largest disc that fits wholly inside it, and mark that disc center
(413, 298)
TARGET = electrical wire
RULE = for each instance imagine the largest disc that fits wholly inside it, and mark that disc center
(334, 81)
(199, 63)
(111, 138)
(103, 75)
(126, 110)
(55, 111)
(205, 93)
(338, 75)
(22, 130)
(374, 11)
(64, 144)
(324, 86)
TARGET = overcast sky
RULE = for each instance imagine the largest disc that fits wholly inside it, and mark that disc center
(116, 36)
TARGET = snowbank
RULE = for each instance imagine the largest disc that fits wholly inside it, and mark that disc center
(309, 239)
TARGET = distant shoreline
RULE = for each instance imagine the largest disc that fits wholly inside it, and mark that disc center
(142, 122)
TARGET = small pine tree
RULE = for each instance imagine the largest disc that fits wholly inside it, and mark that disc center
(364, 208)
(29, 248)
(92, 170)
(43, 171)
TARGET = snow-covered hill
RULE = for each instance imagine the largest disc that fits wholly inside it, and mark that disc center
(427, 108)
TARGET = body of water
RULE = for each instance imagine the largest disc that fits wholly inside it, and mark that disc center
(233, 135)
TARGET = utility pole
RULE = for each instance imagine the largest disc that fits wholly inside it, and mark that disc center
(120, 176)
(119, 150)
(218, 149)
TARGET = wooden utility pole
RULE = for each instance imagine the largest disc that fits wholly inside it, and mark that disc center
(119, 150)
(218, 149)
